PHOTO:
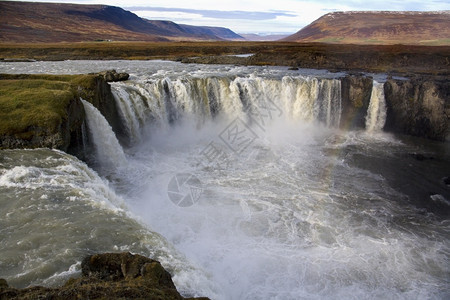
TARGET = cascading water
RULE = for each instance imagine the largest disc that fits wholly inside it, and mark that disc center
(109, 152)
(165, 100)
(280, 205)
(376, 113)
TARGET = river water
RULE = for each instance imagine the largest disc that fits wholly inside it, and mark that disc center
(239, 181)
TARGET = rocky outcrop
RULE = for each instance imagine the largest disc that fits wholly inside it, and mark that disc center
(107, 276)
(45, 111)
(419, 107)
(98, 92)
(355, 92)
(112, 76)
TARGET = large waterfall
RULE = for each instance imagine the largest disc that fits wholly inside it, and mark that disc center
(256, 99)
(242, 182)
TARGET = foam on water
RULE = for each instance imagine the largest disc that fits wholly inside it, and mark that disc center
(288, 222)
(303, 211)
(56, 210)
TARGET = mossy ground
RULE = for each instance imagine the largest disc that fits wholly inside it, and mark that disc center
(37, 104)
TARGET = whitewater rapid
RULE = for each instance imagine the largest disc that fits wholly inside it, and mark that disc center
(278, 202)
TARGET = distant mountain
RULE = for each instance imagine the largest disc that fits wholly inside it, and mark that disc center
(57, 22)
(202, 32)
(380, 27)
(263, 38)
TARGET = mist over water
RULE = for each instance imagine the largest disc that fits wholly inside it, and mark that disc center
(290, 206)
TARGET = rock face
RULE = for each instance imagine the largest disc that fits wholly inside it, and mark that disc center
(112, 75)
(46, 111)
(419, 107)
(98, 92)
(107, 276)
(355, 91)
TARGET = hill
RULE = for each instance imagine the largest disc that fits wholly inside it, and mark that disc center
(57, 22)
(381, 27)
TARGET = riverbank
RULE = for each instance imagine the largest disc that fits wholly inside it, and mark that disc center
(396, 59)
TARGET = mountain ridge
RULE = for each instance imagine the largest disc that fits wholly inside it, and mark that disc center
(378, 27)
(61, 22)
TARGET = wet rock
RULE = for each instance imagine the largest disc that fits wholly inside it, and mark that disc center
(421, 157)
(446, 180)
(420, 107)
(112, 76)
(3, 283)
(356, 91)
(107, 276)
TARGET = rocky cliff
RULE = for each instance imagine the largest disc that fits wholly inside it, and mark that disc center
(420, 107)
(45, 110)
(355, 91)
(107, 276)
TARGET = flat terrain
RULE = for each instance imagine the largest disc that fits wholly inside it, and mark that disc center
(434, 60)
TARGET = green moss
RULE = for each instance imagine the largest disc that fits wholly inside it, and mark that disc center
(30, 105)
(87, 82)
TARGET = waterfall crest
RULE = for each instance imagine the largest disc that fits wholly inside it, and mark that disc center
(166, 100)
(376, 112)
(108, 150)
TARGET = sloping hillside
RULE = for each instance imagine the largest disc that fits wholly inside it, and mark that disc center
(205, 32)
(382, 27)
(56, 22)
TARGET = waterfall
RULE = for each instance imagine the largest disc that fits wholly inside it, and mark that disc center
(376, 113)
(165, 100)
(108, 150)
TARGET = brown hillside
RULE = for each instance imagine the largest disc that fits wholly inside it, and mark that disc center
(413, 28)
(57, 22)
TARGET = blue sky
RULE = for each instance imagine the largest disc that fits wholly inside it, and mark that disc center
(257, 16)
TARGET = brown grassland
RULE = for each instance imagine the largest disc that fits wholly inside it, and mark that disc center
(433, 60)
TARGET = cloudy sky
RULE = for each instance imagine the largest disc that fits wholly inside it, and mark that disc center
(257, 16)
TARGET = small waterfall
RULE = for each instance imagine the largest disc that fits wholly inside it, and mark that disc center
(376, 113)
(108, 150)
(328, 105)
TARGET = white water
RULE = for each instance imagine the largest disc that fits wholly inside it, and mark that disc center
(254, 98)
(376, 113)
(108, 150)
(304, 211)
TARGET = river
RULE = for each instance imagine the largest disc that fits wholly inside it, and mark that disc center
(239, 180)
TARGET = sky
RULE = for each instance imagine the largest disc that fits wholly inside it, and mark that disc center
(256, 16)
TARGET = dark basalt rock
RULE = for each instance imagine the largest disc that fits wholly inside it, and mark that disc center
(446, 180)
(107, 276)
(112, 76)
(420, 107)
(355, 92)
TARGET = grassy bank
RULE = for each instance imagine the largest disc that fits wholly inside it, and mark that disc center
(33, 106)
(373, 58)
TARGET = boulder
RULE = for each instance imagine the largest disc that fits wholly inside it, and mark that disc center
(107, 276)
(112, 76)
